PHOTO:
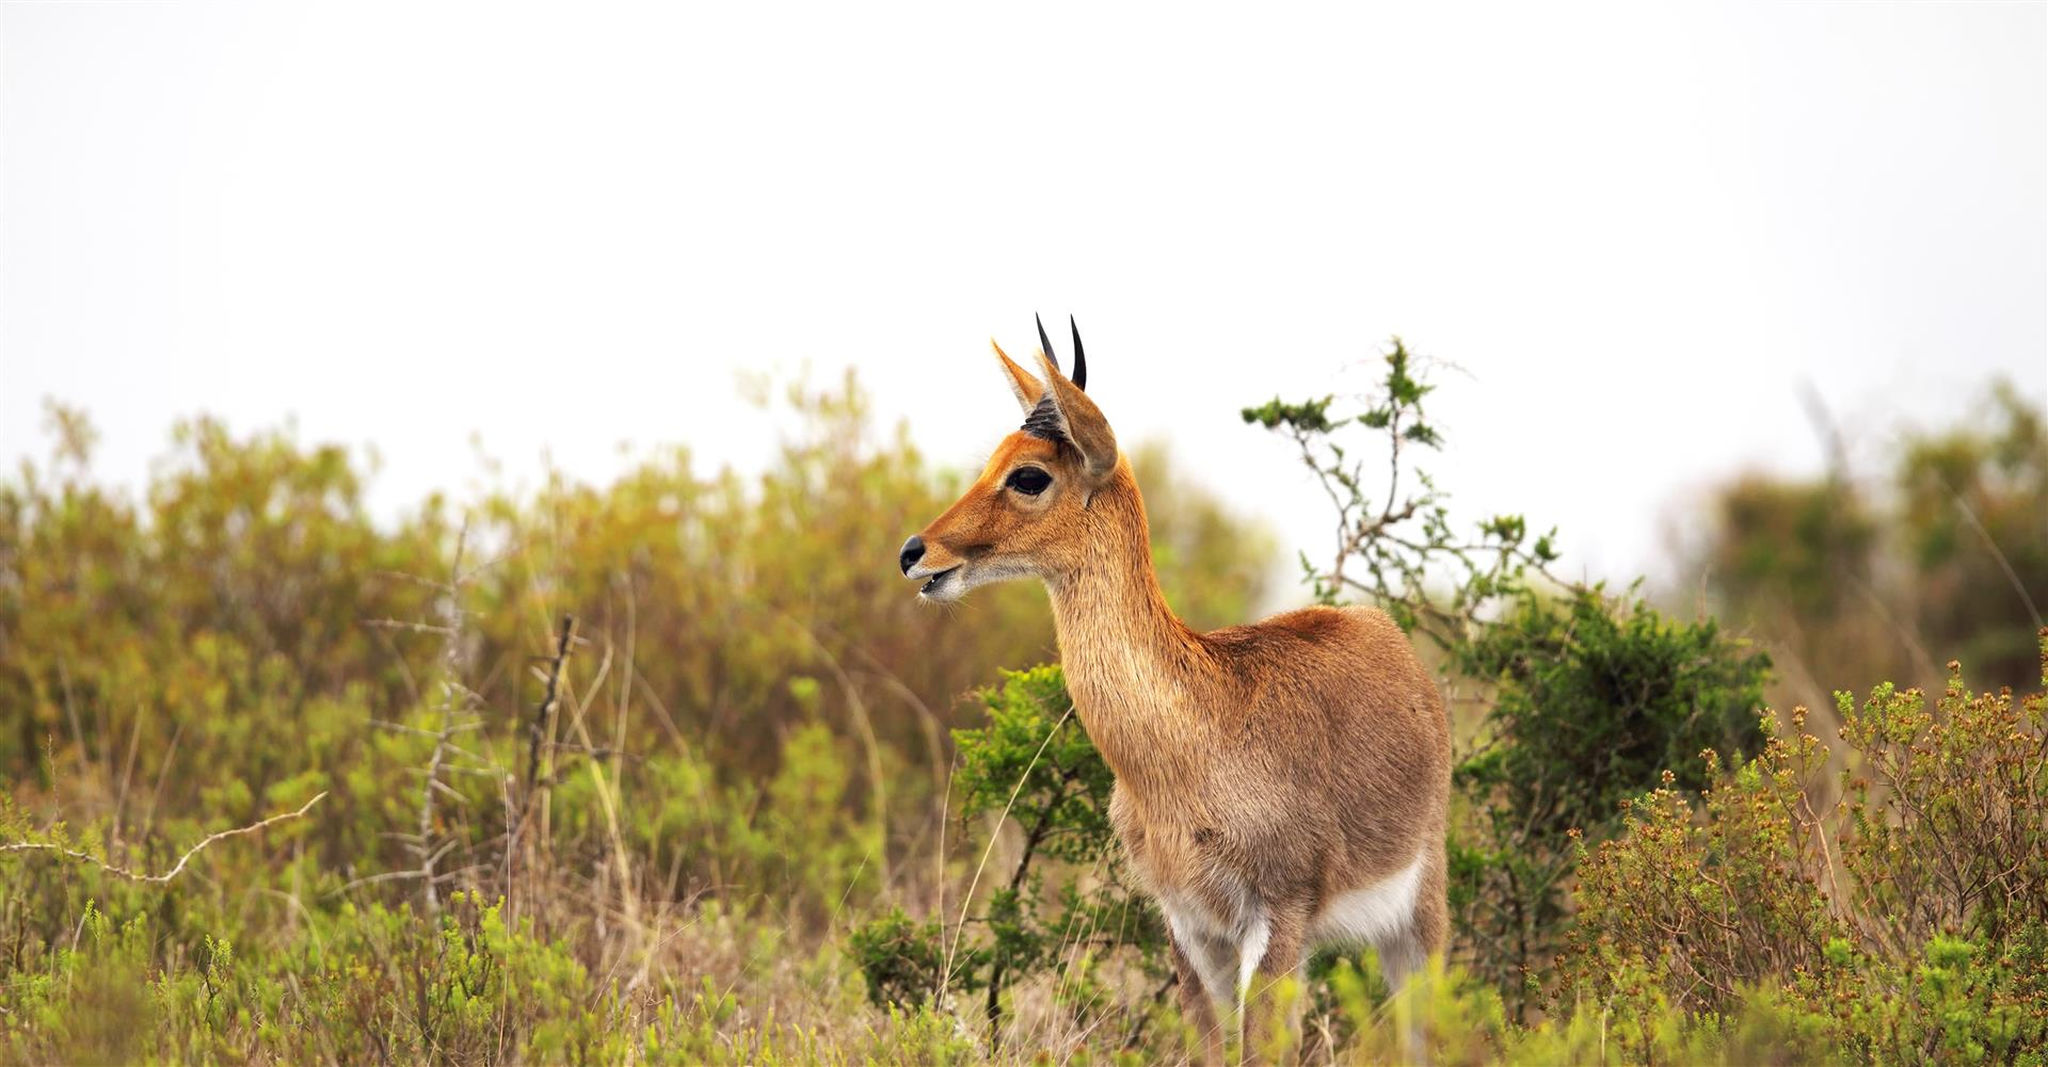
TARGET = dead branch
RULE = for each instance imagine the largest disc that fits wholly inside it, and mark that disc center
(164, 878)
(454, 700)
(543, 715)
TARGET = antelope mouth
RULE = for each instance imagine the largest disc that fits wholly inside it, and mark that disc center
(932, 584)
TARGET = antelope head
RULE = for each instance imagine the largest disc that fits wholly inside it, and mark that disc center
(1017, 519)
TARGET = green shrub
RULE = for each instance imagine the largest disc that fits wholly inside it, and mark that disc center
(1906, 922)
(1575, 698)
(1594, 699)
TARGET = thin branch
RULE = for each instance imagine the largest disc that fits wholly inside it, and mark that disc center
(412, 627)
(543, 715)
(164, 878)
(2004, 564)
(402, 728)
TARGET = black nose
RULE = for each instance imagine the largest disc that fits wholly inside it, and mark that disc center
(913, 550)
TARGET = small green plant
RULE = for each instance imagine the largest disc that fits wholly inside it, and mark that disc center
(1059, 906)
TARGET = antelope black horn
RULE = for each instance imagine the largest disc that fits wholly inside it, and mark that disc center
(1043, 342)
(1080, 361)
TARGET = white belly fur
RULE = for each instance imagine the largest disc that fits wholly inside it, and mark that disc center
(1374, 915)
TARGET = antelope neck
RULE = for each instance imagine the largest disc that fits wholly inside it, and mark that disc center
(1130, 663)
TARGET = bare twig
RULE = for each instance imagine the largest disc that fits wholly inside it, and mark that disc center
(454, 699)
(1997, 554)
(544, 714)
(401, 728)
(164, 878)
(412, 627)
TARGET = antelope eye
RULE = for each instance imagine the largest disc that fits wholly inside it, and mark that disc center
(1028, 480)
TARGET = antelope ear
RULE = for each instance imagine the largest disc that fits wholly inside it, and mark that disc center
(1029, 390)
(1080, 420)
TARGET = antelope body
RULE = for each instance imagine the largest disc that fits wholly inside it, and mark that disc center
(1280, 785)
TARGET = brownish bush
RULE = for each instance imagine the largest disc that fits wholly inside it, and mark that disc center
(1909, 921)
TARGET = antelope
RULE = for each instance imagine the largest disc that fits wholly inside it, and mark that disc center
(1280, 786)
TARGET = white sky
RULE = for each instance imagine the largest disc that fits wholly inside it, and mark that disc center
(1638, 227)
